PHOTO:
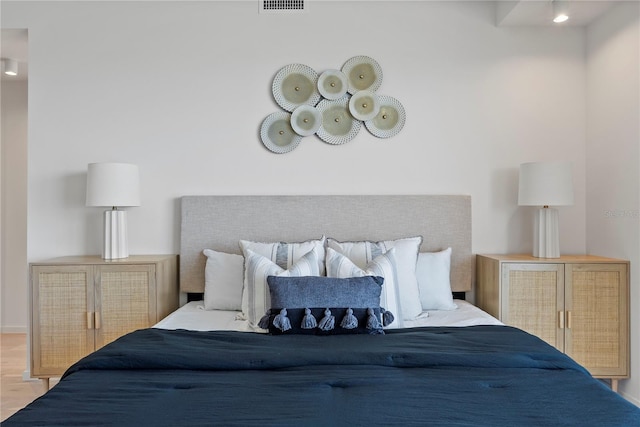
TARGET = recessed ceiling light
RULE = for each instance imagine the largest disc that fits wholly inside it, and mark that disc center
(10, 66)
(560, 18)
(560, 11)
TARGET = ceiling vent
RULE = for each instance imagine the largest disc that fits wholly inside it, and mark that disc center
(282, 6)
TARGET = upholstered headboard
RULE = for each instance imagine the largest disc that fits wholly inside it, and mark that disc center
(219, 222)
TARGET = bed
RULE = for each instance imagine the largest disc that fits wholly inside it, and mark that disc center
(449, 365)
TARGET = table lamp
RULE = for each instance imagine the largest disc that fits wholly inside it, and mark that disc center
(545, 184)
(113, 185)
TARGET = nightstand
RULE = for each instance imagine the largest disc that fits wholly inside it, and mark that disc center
(79, 304)
(579, 304)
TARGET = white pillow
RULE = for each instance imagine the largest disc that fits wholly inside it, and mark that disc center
(285, 254)
(223, 281)
(434, 282)
(384, 265)
(406, 256)
(256, 299)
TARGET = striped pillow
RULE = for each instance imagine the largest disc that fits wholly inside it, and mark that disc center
(384, 265)
(256, 296)
(285, 253)
(406, 257)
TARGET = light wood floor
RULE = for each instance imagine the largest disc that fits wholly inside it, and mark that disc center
(15, 393)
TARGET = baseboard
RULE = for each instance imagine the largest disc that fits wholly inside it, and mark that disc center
(14, 330)
(630, 398)
(26, 376)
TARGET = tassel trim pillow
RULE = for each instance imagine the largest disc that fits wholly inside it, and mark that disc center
(325, 306)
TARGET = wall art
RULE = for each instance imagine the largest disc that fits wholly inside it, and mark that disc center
(333, 105)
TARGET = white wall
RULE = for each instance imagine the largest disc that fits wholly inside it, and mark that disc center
(181, 90)
(13, 246)
(613, 153)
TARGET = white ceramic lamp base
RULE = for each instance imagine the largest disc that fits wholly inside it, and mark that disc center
(546, 236)
(115, 235)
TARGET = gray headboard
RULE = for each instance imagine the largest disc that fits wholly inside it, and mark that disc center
(219, 222)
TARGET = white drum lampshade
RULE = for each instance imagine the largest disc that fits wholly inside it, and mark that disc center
(113, 185)
(546, 184)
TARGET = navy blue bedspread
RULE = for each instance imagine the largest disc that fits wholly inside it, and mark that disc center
(472, 376)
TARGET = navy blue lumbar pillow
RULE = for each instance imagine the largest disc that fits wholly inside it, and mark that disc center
(325, 306)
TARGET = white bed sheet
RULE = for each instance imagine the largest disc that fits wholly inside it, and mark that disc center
(192, 316)
(466, 314)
